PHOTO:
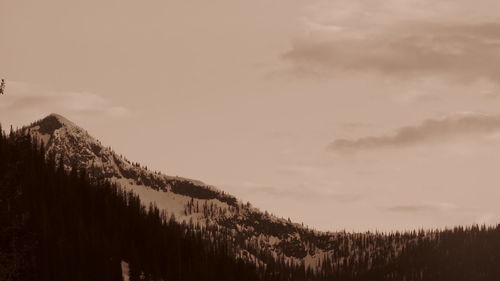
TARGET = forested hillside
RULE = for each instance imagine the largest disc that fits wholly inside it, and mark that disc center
(60, 225)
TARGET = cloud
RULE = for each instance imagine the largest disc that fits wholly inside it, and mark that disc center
(301, 192)
(462, 52)
(423, 208)
(401, 38)
(431, 130)
(23, 98)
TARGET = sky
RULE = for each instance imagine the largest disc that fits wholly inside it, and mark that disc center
(347, 114)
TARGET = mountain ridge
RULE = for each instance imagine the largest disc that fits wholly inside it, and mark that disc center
(187, 199)
(190, 201)
(461, 253)
(61, 135)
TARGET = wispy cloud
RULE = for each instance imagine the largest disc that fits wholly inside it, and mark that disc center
(301, 192)
(423, 208)
(401, 38)
(430, 130)
(23, 98)
(460, 51)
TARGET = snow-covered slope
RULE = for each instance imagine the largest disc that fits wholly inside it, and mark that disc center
(187, 199)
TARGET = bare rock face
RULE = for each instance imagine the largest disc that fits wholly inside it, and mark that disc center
(49, 124)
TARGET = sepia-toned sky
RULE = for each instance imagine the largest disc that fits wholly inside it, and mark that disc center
(346, 114)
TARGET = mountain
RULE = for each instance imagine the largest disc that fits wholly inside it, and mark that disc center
(187, 199)
(57, 226)
(75, 196)
(78, 149)
(257, 233)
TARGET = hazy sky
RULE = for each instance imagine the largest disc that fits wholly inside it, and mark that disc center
(344, 114)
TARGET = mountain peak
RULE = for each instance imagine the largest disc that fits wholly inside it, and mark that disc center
(60, 118)
(53, 122)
